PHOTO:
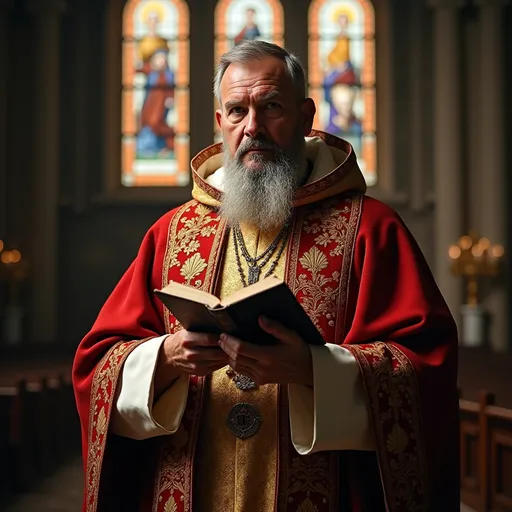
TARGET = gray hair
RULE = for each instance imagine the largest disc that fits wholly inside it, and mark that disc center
(248, 51)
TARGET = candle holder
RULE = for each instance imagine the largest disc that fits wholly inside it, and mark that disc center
(474, 257)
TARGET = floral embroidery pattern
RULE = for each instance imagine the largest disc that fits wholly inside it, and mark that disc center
(193, 243)
(326, 236)
(192, 267)
(393, 397)
(332, 224)
(191, 227)
(317, 298)
(102, 395)
(193, 224)
(307, 506)
(308, 475)
(318, 274)
(171, 506)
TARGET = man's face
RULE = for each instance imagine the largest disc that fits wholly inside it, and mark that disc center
(250, 15)
(260, 111)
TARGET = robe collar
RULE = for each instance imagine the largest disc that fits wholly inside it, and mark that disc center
(334, 171)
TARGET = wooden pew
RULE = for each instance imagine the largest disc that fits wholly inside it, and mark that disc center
(486, 454)
(15, 457)
(39, 425)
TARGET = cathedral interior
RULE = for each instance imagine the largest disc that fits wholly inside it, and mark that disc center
(119, 94)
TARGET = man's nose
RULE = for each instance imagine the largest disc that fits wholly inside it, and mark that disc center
(254, 126)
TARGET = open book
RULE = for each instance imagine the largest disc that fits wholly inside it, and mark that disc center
(199, 311)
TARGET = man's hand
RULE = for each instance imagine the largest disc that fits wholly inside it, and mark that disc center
(187, 353)
(287, 362)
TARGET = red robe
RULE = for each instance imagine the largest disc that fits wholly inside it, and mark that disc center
(370, 289)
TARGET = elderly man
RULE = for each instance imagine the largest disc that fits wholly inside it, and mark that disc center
(367, 422)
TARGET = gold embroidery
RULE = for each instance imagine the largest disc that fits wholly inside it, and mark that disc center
(314, 260)
(102, 394)
(307, 506)
(192, 267)
(320, 289)
(102, 421)
(190, 222)
(346, 266)
(190, 233)
(390, 382)
(308, 476)
(318, 272)
(171, 506)
(175, 467)
(397, 440)
(191, 229)
(332, 224)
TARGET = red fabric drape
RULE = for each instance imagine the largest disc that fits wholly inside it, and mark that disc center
(394, 299)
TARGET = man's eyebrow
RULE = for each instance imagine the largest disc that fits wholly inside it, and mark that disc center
(269, 96)
(233, 103)
(264, 97)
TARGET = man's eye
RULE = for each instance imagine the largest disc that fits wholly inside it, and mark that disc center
(272, 105)
(236, 110)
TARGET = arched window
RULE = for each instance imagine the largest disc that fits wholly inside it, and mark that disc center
(342, 75)
(155, 93)
(238, 20)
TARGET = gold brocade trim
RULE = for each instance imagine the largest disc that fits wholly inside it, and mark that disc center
(102, 394)
(322, 245)
(393, 397)
(305, 483)
(348, 259)
(182, 238)
(192, 257)
(173, 490)
(318, 272)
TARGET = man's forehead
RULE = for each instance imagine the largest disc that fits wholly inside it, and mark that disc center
(256, 75)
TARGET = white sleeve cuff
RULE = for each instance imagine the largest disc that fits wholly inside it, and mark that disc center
(333, 415)
(133, 412)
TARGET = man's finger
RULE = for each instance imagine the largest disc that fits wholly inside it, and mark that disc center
(207, 354)
(217, 366)
(278, 330)
(236, 348)
(201, 339)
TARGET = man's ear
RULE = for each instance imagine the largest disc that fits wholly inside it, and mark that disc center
(308, 110)
(218, 117)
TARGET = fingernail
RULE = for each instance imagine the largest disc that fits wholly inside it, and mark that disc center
(222, 337)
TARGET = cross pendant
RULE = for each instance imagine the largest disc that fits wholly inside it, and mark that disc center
(253, 275)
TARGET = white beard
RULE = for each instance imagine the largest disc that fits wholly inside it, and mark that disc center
(263, 197)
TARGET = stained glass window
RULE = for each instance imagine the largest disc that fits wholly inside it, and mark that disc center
(155, 93)
(342, 75)
(238, 20)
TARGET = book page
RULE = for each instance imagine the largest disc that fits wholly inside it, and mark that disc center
(188, 292)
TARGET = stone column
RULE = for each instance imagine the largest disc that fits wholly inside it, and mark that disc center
(5, 5)
(386, 100)
(416, 119)
(46, 176)
(447, 144)
(81, 161)
(492, 178)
